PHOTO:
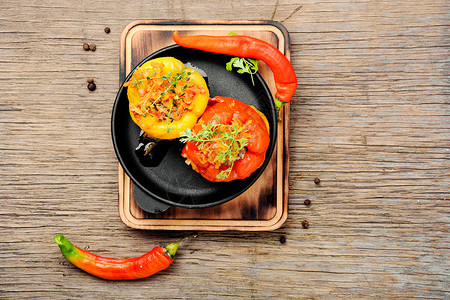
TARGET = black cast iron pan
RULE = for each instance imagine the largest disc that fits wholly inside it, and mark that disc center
(172, 182)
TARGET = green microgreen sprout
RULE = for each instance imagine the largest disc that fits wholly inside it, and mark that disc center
(244, 65)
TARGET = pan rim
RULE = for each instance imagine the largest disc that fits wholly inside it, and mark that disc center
(157, 197)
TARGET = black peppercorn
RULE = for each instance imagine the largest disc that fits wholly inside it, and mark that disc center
(91, 86)
(305, 224)
(86, 47)
(316, 180)
(282, 239)
(92, 47)
(307, 202)
(107, 30)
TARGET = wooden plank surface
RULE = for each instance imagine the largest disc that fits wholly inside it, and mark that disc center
(370, 118)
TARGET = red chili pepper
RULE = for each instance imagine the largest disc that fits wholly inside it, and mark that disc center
(228, 142)
(245, 46)
(119, 269)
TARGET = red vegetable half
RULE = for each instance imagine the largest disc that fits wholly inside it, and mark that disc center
(228, 142)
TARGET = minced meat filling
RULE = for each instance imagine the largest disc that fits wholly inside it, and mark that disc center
(165, 96)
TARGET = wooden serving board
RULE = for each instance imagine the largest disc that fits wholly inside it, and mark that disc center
(264, 206)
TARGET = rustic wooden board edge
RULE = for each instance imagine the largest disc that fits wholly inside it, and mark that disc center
(282, 148)
(203, 224)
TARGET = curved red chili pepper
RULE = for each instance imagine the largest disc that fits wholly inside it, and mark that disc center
(245, 46)
(148, 264)
(224, 110)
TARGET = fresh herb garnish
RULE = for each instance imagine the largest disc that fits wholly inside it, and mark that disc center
(167, 97)
(172, 83)
(244, 65)
(229, 138)
(144, 110)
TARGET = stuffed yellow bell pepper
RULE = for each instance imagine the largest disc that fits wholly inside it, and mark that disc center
(166, 98)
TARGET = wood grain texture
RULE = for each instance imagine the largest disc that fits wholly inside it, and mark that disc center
(370, 118)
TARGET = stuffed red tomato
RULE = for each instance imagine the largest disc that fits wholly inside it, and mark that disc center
(228, 142)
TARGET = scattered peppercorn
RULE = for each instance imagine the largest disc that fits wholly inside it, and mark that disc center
(92, 47)
(307, 202)
(107, 30)
(305, 224)
(90, 79)
(86, 46)
(282, 239)
(316, 180)
(91, 86)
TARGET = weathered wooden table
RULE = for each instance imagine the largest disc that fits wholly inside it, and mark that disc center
(370, 119)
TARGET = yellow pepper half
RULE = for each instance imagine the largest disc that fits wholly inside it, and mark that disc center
(165, 97)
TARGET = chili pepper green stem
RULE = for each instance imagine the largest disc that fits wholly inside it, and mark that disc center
(66, 246)
(173, 247)
(279, 105)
